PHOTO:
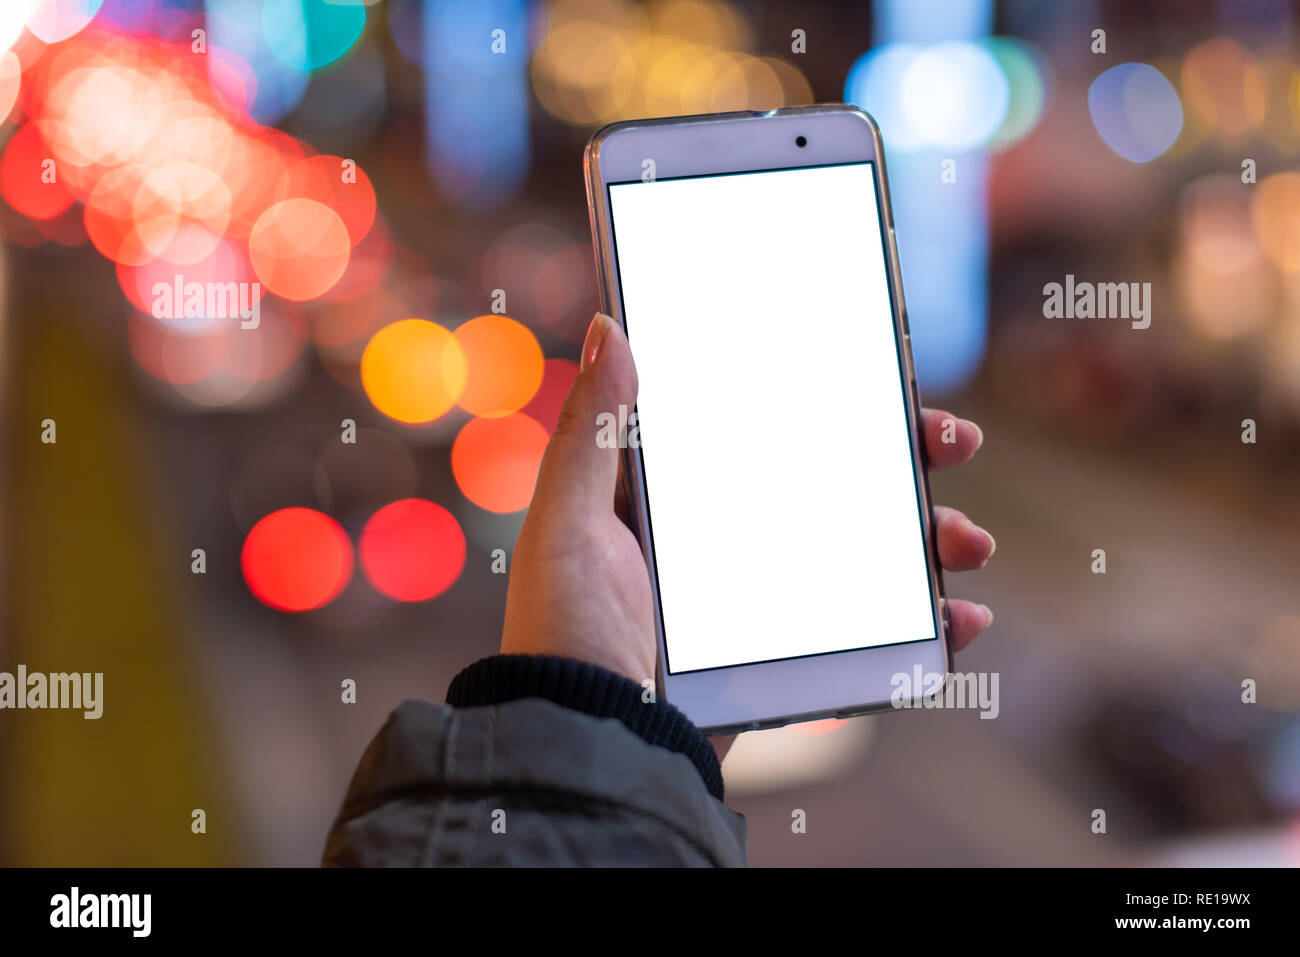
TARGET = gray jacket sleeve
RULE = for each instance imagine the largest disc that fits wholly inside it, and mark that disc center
(526, 783)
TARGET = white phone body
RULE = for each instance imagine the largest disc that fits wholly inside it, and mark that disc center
(778, 487)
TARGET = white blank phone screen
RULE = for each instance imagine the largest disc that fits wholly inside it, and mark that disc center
(783, 505)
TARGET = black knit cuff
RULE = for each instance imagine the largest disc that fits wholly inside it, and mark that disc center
(592, 690)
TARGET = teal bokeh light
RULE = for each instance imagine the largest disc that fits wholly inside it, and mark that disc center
(310, 34)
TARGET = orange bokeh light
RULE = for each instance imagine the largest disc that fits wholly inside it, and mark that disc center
(1275, 212)
(1224, 86)
(299, 248)
(413, 371)
(495, 461)
(504, 365)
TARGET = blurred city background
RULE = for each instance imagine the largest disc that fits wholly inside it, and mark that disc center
(245, 507)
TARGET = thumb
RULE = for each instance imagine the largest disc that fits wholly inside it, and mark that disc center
(580, 468)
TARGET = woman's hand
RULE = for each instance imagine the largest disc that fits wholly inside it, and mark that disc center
(579, 587)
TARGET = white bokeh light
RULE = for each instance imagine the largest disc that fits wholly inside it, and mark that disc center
(875, 84)
(954, 95)
(13, 17)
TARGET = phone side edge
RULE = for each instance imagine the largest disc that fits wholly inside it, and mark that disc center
(912, 393)
(632, 476)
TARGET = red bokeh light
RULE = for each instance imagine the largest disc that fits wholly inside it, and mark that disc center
(174, 178)
(339, 184)
(297, 559)
(412, 550)
(26, 169)
(110, 220)
(557, 380)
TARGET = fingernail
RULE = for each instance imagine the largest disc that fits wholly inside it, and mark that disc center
(988, 615)
(597, 332)
(993, 542)
(979, 433)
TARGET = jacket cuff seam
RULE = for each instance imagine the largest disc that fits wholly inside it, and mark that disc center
(589, 689)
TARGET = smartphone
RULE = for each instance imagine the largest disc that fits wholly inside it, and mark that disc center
(778, 485)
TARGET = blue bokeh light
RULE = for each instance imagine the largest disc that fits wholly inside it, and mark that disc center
(941, 221)
(476, 99)
(236, 26)
(1135, 111)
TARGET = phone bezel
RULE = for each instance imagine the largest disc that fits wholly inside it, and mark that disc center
(771, 693)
